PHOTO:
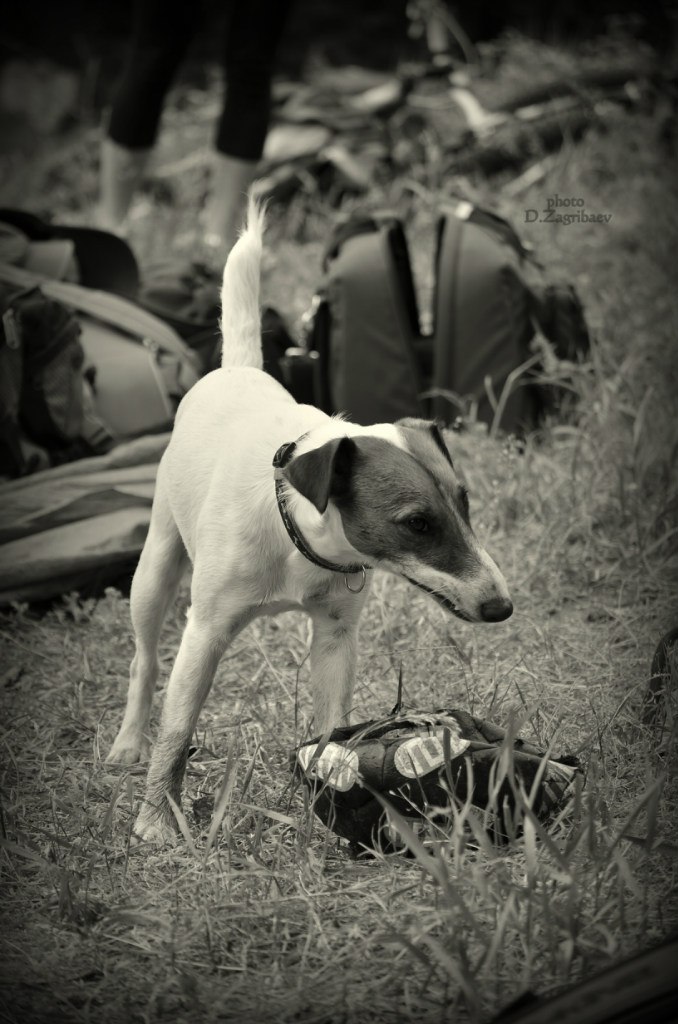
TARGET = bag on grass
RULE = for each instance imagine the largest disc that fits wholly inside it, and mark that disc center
(367, 355)
(78, 526)
(85, 366)
(41, 383)
(420, 764)
(184, 294)
(82, 369)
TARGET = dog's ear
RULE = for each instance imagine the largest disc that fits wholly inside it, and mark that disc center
(434, 428)
(323, 473)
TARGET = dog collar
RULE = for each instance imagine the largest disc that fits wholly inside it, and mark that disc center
(280, 460)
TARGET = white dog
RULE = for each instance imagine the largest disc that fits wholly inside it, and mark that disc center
(279, 506)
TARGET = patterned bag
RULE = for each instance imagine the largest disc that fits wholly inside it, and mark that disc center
(422, 763)
(41, 380)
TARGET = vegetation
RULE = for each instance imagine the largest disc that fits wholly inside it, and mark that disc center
(273, 920)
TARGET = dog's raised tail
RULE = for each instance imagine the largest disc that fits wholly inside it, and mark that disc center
(240, 316)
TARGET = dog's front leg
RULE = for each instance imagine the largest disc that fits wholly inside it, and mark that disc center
(333, 667)
(188, 687)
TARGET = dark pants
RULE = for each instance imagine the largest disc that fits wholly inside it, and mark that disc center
(163, 30)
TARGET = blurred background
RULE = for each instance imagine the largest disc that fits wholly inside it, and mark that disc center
(59, 62)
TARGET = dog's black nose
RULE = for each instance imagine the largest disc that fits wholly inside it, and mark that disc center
(496, 610)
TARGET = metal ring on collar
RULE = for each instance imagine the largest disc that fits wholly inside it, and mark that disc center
(363, 581)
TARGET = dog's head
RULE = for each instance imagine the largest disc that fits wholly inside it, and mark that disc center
(396, 499)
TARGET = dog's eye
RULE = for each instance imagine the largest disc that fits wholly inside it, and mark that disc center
(419, 524)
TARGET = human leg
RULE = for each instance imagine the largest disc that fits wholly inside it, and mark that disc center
(253, 34)
(160, 37)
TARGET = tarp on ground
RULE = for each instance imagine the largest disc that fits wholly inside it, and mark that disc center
(79, 525)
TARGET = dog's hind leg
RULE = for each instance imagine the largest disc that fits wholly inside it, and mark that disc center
(205, 638)
(161, 565)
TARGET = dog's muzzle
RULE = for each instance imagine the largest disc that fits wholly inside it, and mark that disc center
(445, 602)
(497, 609)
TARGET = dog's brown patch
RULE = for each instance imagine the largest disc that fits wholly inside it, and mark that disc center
(390, 487)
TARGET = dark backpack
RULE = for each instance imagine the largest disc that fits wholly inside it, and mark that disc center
(418, 763)
(367, 356)
(41, 383)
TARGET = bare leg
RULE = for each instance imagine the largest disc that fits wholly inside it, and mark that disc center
(120, 176)
(223, 215)
(156, 580)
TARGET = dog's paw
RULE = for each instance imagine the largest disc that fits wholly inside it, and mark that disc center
(128, 750)
(155, 831)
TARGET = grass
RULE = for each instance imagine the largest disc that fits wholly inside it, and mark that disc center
(268, 918)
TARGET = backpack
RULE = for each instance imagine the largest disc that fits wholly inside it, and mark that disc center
(367, 356)
(417, 763)
(81, 370)
(41, 382)
(92, 369)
